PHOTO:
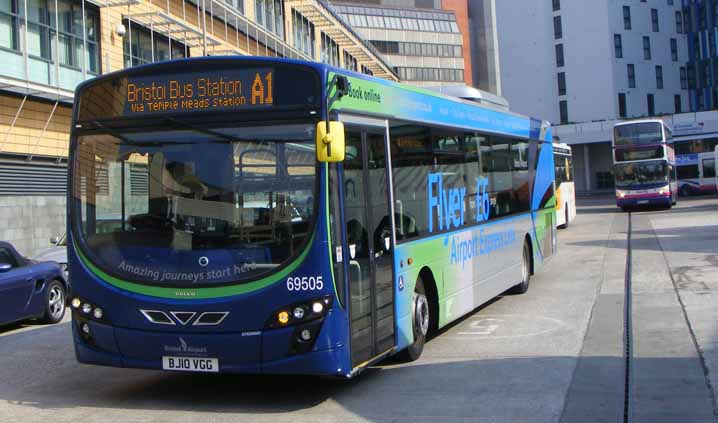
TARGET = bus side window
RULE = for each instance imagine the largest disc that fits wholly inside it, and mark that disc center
(411, 162)
(497, 166)
(473, 145)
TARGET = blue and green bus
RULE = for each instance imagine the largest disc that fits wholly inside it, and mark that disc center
(263, 215)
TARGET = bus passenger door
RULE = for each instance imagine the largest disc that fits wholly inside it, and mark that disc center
(370, 245)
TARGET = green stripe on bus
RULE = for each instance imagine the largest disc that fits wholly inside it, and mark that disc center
(196, 293)
(329, 233)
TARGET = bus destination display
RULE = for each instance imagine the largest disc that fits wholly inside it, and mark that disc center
(196, 92)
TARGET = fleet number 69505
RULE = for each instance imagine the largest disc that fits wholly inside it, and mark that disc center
(305, 283)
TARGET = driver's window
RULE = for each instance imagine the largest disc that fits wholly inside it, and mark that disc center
(7, 257)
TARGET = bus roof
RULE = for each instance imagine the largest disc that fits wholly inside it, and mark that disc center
(407, 103)
(642, 120)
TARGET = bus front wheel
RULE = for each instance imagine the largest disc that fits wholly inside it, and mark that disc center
(419, 323)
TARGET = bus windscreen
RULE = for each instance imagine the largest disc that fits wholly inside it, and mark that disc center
(242, 195)
(641, 173)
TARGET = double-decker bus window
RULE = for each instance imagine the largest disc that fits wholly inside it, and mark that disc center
(638, 133)
(687, 171)
(709, 168)
(632, 174)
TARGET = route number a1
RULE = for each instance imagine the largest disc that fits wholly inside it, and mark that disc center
(305, 283)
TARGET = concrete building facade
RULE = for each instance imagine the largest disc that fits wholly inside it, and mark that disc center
(48, 47)
(597, 60)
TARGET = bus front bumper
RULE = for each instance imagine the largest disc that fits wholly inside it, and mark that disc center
(644, 201)
(268, 352)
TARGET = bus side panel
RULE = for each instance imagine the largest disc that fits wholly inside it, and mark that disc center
(469, 266)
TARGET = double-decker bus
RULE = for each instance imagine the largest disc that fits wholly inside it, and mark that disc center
(696, 173)
(565, 188)
(644, 164)
(287, 217)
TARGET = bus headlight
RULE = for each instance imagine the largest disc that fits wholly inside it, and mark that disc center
(620, 194)
(664, 190)
(300, 313)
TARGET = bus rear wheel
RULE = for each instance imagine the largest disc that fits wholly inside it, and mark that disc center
(523, 286)
(419, 323)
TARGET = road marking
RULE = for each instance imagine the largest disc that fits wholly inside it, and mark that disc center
(506, 326)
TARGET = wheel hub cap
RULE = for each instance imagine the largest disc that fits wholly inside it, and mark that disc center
(56, 301)
(421, 313)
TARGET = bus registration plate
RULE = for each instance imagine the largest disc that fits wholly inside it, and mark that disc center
(191, 364)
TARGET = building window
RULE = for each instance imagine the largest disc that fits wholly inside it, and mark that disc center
(366, 71)
(557, 29)
(626, 17)
(679, 22)
(691, 76)
(617, 46)
(677, 103)
(563, 111)
(430, 74)
(330, 51)
(556, 5)
(559, 55)
(417, 49)
(237, 4)
(654, 20)
(670, 2)
(433, 21)
(270, 15)
(702, 16)
(138, 47)
(622, 105)
(562, 83)
(72, 39)
(350, 62)
(646, 48)
(674, 49)
(651, 104)
(659, 77)
(631, 70)
(9, 25)
(684, 78)
(304, 37)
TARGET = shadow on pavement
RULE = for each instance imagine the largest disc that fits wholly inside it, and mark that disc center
(46, 377)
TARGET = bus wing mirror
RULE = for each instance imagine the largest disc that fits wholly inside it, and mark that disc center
(330, 145)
